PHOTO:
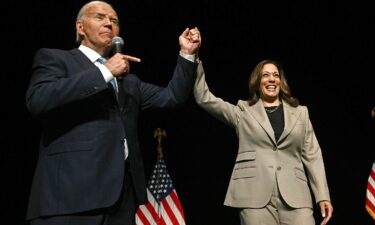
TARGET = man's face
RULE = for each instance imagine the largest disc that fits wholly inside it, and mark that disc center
(98, 26)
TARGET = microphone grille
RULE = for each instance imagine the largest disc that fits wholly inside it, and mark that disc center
(117, 40)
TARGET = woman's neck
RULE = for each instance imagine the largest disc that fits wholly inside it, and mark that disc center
(276, 102)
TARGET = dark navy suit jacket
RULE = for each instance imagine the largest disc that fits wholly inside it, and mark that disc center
(81, 153)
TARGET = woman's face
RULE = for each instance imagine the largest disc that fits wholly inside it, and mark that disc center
(270, 83)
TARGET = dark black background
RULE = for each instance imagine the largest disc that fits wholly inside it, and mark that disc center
(327, 52)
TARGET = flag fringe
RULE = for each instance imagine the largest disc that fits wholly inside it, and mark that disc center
(372, 213)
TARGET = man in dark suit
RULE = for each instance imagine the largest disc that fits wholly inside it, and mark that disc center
(90, 168)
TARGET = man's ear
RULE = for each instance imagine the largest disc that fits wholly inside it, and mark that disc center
(79, 27)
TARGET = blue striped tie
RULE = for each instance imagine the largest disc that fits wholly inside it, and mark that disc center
(102, 60)
(114, 84)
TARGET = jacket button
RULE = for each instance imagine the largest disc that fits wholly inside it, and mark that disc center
(279, 168)
(275, 148)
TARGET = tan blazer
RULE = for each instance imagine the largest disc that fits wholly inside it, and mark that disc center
(293, 162)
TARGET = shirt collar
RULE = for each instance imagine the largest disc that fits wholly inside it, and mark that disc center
(91, 54)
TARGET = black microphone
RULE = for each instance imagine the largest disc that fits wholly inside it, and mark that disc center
(117, 43)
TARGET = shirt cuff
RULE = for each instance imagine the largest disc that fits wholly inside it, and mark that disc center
(189, 57)
(108, 76)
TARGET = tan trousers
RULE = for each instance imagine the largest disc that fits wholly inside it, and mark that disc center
(277, 212)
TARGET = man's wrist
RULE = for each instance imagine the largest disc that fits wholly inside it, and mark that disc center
(189, 57)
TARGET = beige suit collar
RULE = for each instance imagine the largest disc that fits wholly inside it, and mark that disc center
(291, 115)
(260, 115)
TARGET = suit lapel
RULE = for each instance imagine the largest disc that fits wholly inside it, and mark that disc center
(81, 58)
(257, 110)
(291, 115)
(86, 63)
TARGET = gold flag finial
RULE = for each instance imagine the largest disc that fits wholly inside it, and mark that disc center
(159, 134)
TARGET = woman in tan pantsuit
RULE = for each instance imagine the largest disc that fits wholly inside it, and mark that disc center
(279, 161)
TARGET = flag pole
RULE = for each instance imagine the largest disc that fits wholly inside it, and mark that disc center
(159, 134)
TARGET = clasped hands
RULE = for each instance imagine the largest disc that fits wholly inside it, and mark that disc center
(190, 41)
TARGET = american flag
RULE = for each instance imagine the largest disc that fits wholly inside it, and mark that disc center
(370, 195)
(163, 207)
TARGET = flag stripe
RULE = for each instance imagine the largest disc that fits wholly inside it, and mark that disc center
(174, 209)
(149, 211)
(372, 174)
(371, 182)
(177, 204)
(169, 212)
(370, 193)
(153, 213)
(370, 205)
(142, 218)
